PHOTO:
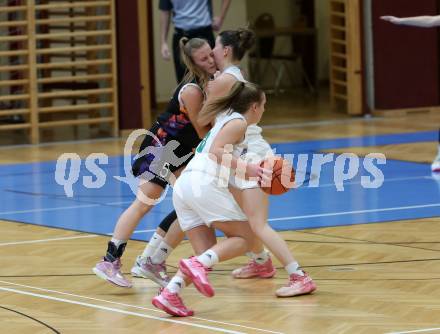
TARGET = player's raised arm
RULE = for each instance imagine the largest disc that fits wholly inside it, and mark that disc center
(415, 21)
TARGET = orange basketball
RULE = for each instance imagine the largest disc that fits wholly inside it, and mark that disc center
(283, 176)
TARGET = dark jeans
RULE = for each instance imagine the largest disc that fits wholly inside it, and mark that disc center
(205, 33)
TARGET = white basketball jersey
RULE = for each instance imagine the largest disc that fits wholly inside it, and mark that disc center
(201, 161)
(253, 148)
(235, 72)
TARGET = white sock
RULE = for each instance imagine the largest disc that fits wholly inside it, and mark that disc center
(262, 257)
(152, 245)
(176, 284)
(118, 242)
(293, 268)
(208, 258)
(162, 252)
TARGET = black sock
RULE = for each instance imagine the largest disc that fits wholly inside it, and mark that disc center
(113, 252)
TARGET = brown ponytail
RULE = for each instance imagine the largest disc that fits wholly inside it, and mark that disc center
(240, 40)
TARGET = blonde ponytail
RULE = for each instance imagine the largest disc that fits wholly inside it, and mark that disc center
(239, 99)
(187, 47)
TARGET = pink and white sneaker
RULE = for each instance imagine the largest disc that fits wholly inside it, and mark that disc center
(172, 304)
(297, 285)
(199, 275)
(254, 269)
(145, 268)
(111, 272)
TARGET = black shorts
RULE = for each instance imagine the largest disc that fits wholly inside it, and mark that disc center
(160, 157)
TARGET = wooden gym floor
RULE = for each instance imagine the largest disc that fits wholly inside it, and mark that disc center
(376, 263)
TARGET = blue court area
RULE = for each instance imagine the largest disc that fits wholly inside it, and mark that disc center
(30, 194)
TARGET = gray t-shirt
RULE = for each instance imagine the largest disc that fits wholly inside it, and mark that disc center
(189, 14)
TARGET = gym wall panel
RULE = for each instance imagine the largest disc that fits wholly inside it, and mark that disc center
(128, 65)
(406, 59)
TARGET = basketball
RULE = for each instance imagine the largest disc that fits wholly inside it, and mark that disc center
(283, 176)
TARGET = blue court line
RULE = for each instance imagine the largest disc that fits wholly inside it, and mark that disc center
(29, 194)
(287, 147)
(305, 207)
(376, 140)
(413, 207)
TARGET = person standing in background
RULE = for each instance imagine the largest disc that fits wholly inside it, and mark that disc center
(424, 22)
(191, 19)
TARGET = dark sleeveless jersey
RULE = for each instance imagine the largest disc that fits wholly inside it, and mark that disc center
(172, 124)
(175, 123)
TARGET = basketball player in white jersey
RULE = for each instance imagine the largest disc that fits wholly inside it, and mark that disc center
(202, 199)
(160, 247)
(230, 48)
(424, 22)
(228, 51)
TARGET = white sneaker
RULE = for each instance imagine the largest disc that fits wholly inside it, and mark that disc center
(435, 166)
(144, 268)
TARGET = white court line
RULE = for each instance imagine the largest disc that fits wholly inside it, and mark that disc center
(46, 240)
(342, 213)
(114, 203)
(99, 307)
(50, 209)
(127, 305)
(64, 238)
(65, 208)
(325, 185)
(166, 198)
(140, 231)
(416, 331)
